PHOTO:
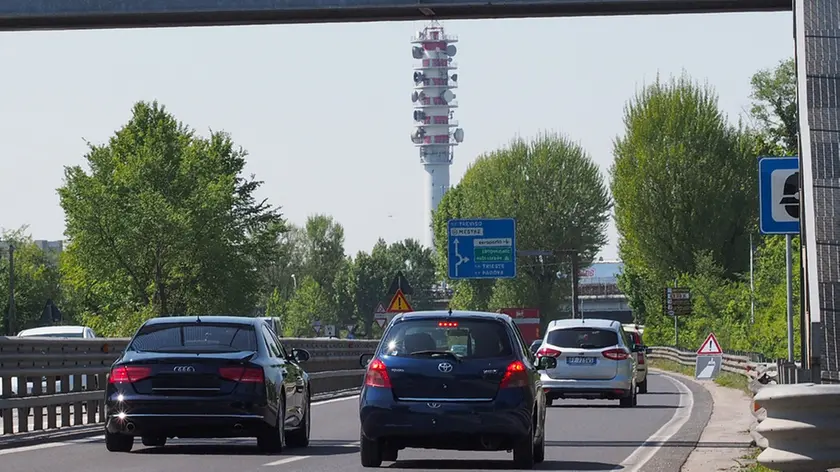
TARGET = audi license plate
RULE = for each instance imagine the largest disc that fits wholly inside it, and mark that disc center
(580, 360)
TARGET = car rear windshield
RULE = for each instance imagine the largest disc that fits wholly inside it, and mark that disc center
(195, 337)
(468, 339)
(583, 338)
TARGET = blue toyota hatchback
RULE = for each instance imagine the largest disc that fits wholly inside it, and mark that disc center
(453, 380)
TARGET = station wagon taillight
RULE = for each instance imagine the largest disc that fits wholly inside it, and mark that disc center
(242, 374)
(548, 352)
(377, 375)
(129, 374)
(516, 375)
(616, 354)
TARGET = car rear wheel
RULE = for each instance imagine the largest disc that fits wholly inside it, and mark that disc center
(523, 452)
(630, 400)
(300, 437)
(154, 441)
(274, 441)
(370, 451)
(118, 442)
(539, 448)
(643, 386)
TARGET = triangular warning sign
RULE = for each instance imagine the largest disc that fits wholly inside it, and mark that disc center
(380, 308)
(399, 304)
(710, 346)
(381, 321)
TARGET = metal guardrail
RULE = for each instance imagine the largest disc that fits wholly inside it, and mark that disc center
(48, 384)
(801, 428)
(735, 364)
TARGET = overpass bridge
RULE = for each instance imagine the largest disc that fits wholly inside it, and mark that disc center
(83, 14)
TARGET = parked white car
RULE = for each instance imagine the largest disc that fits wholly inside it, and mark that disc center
(70, 332)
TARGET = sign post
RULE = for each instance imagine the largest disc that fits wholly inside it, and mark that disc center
(380, 316)
(778, 194)
(482, 248)
(676, 302)
(709, 359)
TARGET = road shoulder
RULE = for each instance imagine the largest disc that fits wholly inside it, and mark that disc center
(725, 439)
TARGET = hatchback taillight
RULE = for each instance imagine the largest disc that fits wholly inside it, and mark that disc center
(548, 352)
(616, 354)
(129, 374)
(516, 375)
(641, 358)
(377, 375)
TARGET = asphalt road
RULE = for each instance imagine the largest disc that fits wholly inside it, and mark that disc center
(657, 435)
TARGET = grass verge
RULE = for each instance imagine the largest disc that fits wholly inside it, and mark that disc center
(753, 467)
(725, 379)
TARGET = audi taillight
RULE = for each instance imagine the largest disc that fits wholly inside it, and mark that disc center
(377, 375)
(516, 375)
(616, 354)
(242, 374)
(129, 374)
(641, 358)
(548, 352)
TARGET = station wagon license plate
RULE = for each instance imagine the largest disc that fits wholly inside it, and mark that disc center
(580, 360)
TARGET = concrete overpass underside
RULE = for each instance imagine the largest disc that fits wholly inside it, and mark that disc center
(99, 14)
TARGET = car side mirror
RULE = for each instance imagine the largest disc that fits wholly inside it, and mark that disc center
(301, 355)
(365, 359)
(637, 348)
(546, 362)
(648, 351)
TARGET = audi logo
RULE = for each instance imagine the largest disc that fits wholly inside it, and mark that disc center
(445, 367)
(183, 368)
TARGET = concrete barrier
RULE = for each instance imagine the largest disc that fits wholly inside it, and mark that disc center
(802, 427)
(49, 384)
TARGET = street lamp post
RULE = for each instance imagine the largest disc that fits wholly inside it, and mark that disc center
(10, 322)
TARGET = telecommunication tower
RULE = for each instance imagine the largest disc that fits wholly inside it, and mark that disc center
(436, 132)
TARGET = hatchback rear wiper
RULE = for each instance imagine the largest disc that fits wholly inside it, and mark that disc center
(433, 353)
(587, 346)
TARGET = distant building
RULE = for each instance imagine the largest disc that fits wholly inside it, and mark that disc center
(600, 296)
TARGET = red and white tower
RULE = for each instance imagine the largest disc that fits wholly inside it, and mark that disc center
(436, 132)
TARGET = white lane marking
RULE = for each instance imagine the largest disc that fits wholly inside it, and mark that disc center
(32, 448)
(286, 460)
(334, 400)
(644, 453)
(102, 438)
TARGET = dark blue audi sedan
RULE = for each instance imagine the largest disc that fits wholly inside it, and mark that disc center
(453, 380)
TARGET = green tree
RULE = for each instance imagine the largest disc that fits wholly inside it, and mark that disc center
(774, 107)
(164, 222)
(324, 250)
(684, 182)
(37, 280)
(560, 201)
(309, 303)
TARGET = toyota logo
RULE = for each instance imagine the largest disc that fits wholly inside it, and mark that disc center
(183, 368)
(445, 367)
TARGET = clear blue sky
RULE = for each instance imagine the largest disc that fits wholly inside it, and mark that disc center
(325, 110)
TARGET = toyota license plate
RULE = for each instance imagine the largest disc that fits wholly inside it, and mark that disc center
(580, 360)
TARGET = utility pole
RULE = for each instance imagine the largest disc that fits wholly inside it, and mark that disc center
(11, 319)
(576, 313)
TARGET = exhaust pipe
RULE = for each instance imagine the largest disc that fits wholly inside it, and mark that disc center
(129, 427)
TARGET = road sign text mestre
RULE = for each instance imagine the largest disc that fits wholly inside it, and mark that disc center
(778, 195)
(482, 248)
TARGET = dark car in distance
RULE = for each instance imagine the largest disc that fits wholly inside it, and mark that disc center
(452, 380)
(207, 377)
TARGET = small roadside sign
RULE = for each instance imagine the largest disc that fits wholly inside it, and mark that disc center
(399, 304)
(316, 325)
(677, 301)
(380, 316)
(710, 347)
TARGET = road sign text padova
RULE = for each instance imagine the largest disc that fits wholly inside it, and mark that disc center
(482, 248)
(710, 347)
(778, 195)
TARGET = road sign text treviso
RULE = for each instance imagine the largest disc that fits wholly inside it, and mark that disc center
(778, 195)
(482, 248)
